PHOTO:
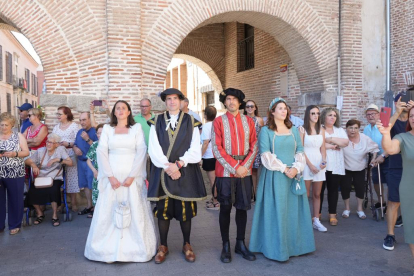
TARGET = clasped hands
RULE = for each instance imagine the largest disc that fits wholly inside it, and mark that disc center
(291, 172)
(173, 171)
(116, 184)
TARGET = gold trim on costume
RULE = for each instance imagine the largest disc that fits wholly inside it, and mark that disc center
(184, 216)
(192, 207)
(164, 214)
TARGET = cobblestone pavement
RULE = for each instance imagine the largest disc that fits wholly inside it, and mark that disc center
(354, 247)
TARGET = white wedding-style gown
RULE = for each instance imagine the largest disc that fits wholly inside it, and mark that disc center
(122, 156)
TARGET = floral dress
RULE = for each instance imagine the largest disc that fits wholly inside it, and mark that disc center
(91, 155)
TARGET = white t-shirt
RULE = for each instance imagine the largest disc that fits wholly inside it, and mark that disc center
(356, 154)
(206, 135)
(335, 158)
(195, 115)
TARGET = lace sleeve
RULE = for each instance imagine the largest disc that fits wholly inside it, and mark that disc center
(300, 162)
(270, 162)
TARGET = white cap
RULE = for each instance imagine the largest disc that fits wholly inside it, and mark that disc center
(372, 107)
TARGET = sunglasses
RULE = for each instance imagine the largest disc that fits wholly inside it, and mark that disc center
(315, 113)
(249, 106)
(29, 115)
(59, 114)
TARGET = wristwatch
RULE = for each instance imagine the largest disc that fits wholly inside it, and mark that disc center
(61, 160)
(383, 156)
(87, 141)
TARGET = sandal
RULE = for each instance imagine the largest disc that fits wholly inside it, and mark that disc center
(345, 213)
(333, 221)
(361, 215)
(14, 231)
(54, 221)
(90, 215)
(213, 206)
(86, 211)
(39, 220)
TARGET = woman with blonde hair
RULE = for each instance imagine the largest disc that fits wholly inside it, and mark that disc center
(36, 134)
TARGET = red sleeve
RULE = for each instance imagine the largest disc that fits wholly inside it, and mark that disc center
(219, 152)
(251, 155)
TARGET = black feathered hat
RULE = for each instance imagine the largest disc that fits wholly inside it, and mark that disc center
(233, 92)
(171, 91)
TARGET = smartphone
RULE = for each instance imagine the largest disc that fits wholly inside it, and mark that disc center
(385, 116)
(97, 102)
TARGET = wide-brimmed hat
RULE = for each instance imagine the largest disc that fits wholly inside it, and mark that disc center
(372, 107)
(171, 91)
(233, 92)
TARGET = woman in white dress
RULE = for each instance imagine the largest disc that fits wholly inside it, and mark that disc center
(313, 139)
(67, 130)
(121, 157)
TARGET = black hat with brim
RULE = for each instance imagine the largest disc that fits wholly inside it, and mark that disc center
(233, 92)
(171, 91)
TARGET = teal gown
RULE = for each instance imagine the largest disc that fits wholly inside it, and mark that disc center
(282, 224)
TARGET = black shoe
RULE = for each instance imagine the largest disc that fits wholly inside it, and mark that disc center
(378, 204)
(389, 242)
(242, 249)
(399, 222)
(226, 253)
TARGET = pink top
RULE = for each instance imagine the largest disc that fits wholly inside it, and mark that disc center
(31, 135)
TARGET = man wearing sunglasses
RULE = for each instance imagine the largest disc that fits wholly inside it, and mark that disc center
(24, 116)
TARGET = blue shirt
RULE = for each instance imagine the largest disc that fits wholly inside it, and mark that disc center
(25, 124)
(373, 133)
(396, 160)
(82, 144)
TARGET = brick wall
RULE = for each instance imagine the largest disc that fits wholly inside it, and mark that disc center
(402, 45)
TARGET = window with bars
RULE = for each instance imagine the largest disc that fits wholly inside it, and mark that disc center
(33, 84)
(27, 78)
(9, 68)
(9, 103)
(245, 49)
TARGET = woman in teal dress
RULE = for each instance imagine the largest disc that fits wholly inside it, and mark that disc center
(404, 143)
(282, 225)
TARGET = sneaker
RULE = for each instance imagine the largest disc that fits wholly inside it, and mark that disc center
(399, 222)
(318, 225)
(389, 242)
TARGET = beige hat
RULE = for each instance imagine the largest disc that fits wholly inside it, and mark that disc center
(372, 107)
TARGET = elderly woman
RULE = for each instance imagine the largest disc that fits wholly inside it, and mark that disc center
(36, 134)
(404, 143)
(13, 148)
(355, 155)
(335, 140)
(67, 130)
(47, 162)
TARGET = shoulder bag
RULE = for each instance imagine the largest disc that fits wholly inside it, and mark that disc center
(46, 181)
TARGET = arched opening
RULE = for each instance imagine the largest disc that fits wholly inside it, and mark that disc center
(309, 69)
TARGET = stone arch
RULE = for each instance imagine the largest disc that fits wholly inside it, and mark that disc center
(294, 24)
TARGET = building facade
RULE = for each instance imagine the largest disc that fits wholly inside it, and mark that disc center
(308, 51)
(18, 75)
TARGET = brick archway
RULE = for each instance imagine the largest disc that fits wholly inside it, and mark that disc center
(294, 24)
(68, 61)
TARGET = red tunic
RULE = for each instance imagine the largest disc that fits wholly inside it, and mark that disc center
(233, 136)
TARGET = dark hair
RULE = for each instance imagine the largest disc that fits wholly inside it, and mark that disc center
(99, 126)
(210, 113)
(353, 122)
(114, 119)
(408, 127)
(306, 121)
(66, 110)
(325, 113)
(256, 111)
(271, 120)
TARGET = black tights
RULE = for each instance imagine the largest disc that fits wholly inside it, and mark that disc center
(164, 226)
(224, 219)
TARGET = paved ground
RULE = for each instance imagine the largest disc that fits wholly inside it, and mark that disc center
(354, 247)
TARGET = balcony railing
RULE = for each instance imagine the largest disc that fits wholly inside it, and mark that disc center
(18, 83)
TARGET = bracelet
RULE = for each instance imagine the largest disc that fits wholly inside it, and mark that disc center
(17, 154)
(68, 144)
(87, 141)
(383, 156)
(178, 165)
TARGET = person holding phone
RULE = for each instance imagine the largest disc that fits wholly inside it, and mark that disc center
(403, 143)
(398, 123)
(102, 103)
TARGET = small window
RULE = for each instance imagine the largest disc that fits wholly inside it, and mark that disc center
(245, 48)
(9, 103)
(1, 63)
(9, 68)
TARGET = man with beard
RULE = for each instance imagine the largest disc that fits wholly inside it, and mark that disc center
(235, 147)
(175, 182)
